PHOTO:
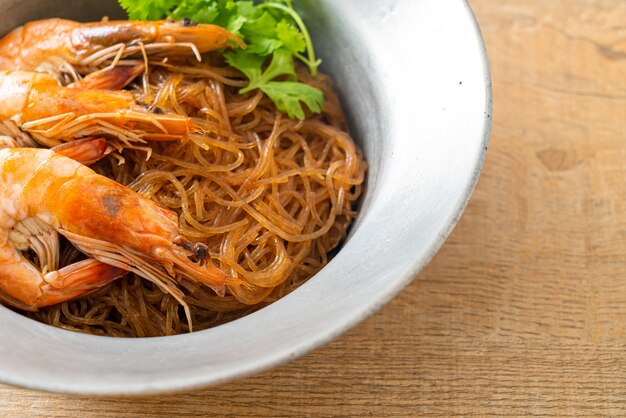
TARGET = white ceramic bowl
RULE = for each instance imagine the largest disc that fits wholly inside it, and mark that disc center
(414, 79)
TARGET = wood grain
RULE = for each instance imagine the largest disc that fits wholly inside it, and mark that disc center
(523, 311)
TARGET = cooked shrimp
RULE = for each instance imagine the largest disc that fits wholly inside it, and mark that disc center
(52, 114)
(59, 43)
(43, 194)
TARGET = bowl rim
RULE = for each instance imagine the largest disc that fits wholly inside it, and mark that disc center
(271, 360)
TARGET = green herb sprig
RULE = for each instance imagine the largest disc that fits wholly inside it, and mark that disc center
(274, 34)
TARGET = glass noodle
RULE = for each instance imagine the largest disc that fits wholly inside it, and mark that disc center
(271, 197)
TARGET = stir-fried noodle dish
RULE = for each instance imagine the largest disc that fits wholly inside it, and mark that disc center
(161, 177)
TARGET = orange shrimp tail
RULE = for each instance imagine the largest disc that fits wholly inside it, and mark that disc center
(86, 151)
(75, 280)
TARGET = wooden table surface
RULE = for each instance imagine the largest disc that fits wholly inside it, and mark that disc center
(524, 309)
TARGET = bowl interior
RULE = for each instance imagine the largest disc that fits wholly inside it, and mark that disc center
(415, 85)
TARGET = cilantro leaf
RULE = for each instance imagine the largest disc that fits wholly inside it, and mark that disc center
(281, 64)
(291, 38)
(259, 25)
(273, 32)
(202, 10)
(249, 64)
(289, 13)
(147, 9)
(287, 96)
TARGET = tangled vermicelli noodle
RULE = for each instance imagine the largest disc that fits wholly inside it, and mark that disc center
(271, 197)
